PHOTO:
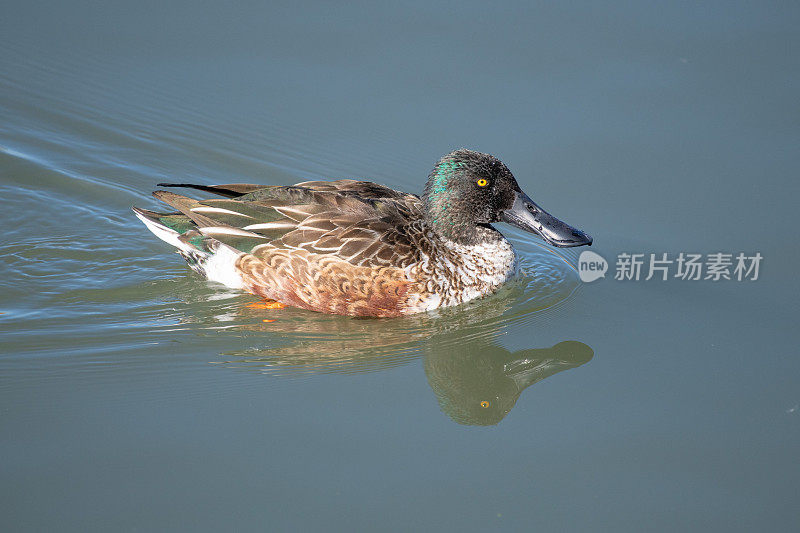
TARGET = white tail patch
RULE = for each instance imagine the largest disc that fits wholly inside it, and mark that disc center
(221, 267)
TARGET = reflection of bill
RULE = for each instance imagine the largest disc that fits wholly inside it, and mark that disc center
(478, 384)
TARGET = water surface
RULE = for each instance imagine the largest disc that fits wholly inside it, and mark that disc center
(135, 396)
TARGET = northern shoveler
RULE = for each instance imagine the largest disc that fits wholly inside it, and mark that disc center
(358, 248)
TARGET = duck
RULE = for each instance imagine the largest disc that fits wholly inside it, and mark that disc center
(358, 248)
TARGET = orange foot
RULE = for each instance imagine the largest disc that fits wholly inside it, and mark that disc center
(266, 304)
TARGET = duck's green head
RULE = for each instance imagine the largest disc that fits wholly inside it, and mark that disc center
(468, 189)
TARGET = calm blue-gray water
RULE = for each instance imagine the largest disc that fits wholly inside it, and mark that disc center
(135, 396)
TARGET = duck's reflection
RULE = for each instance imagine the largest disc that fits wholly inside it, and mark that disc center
(479, 383)
(475, 380)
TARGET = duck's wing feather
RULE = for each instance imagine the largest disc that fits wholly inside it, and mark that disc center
(362, 223)
(408, 204)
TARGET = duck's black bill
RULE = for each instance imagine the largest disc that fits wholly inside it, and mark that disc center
(525, 214)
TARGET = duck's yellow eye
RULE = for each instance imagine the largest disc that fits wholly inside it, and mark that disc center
(484, 403)
(482, 182)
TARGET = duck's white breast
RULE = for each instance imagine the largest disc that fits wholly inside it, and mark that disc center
(456, 273)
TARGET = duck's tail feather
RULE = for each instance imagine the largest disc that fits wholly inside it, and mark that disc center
(160, 226)
(206, 256)
(229, 190)
(181, 234)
